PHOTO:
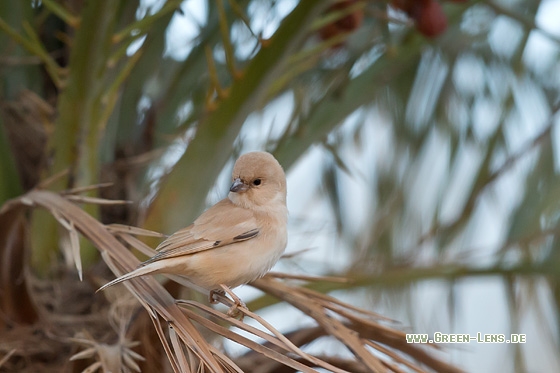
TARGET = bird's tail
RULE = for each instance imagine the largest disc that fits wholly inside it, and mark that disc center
(140, 271)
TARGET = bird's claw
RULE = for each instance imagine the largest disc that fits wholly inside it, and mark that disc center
(236, 310)
(212, 296)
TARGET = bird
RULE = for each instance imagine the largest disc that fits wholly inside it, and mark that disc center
(235, 241)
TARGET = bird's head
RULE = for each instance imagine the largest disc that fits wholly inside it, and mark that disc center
(258, 180)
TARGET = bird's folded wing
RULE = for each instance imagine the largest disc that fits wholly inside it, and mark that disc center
(222, 224)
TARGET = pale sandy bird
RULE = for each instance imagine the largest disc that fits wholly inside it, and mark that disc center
(235, 241)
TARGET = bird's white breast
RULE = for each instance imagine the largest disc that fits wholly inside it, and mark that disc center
(245, 261)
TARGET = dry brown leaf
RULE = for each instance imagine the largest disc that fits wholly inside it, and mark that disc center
(147, 288)
(355, 331)
(361, 331)
(7, 357)
(121, 228)
(96, 200)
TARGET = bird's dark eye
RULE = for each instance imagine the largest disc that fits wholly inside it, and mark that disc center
(257, 182)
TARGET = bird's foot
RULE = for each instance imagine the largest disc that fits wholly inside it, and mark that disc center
(215, 294)
(236, 310)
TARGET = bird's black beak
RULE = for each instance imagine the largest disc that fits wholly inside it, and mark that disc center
(238, 186)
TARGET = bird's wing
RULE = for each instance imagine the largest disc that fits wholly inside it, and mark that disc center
(222, 224)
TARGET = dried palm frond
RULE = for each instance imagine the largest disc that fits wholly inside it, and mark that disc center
(375, 345)
(7, 356)
(117, 357)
